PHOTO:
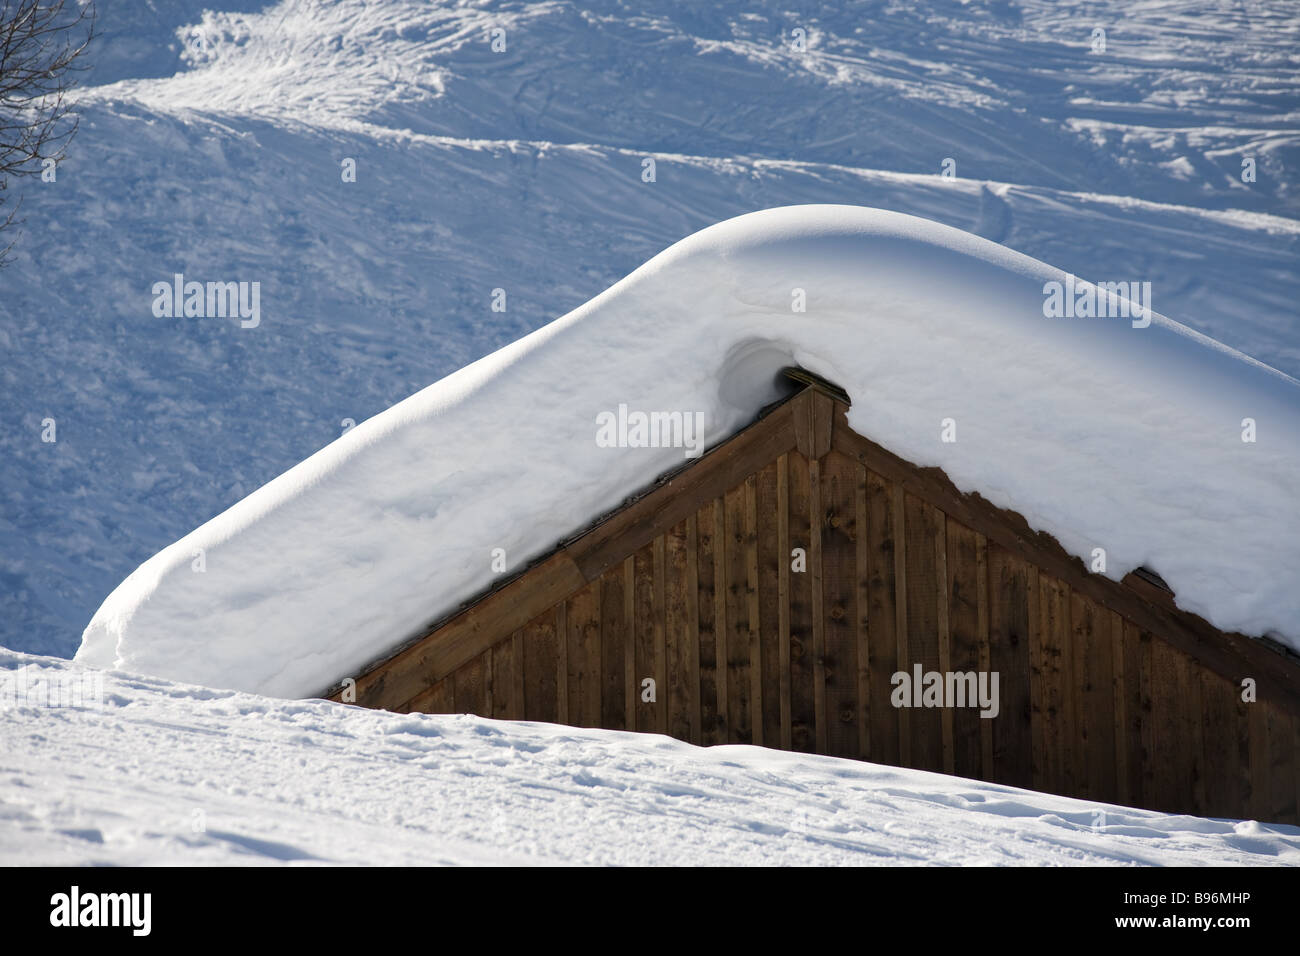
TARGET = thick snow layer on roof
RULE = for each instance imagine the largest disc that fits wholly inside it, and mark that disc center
(1102, 432)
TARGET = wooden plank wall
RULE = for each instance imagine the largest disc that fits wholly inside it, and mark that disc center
(778, 612)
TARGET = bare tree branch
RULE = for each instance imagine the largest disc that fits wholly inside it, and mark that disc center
(41, 43)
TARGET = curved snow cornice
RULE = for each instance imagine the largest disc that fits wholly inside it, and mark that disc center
(1103, 434)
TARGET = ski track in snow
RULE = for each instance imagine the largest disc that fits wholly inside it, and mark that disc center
(167, 773)
(522, 170)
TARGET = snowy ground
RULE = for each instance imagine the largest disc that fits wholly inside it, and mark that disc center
(166, 773)
(523, 170)
(211, 144)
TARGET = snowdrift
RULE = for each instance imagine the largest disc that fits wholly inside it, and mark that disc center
(423, 790)
(1113, 433)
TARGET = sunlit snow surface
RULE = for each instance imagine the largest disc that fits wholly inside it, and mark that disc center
(165, 773)
(1109, 436)
(522, 170)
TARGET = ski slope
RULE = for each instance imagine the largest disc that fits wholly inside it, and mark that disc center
(152, 772)
(211, 145)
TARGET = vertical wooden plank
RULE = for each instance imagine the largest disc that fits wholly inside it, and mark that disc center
(946, 713)
(1120, 727)
(1146, 708)
(562, 661)
(862, 620)
(1177, 717)
(1038, 707)
(659, 614)
(683, 656)
(1295, 739)
(906, 756)
(1261, 763)
(1095, 698)
(821, 735)
(1172, 771)
(753, 606)
(1035, 626)
(740, 728)
(1295, 743)
(1072, 773)
(784, 559)
(1050, 702)
(803, 714)
(985, 654)
(1221, 741)
(647, 627)
(966, 645)
(1012, 626)
(710, 719)
(1245, 774)
(1191, 719)
(1282, 770)
(692, 649)
(1177, 760)
(541, 667)
(631, 683)
(613, 647)
(882, 618)
(839, 533)
(517, 676)
(722, 625)
(503, 680)
(1244, 751)
(770, 561)
(583, 657)
(755, 650)
(921, 530)
(1134, 741)
(470, 680)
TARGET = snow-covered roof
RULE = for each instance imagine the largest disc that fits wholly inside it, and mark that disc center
(1116, 433)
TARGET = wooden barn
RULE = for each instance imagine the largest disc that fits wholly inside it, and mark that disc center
(769, 593)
